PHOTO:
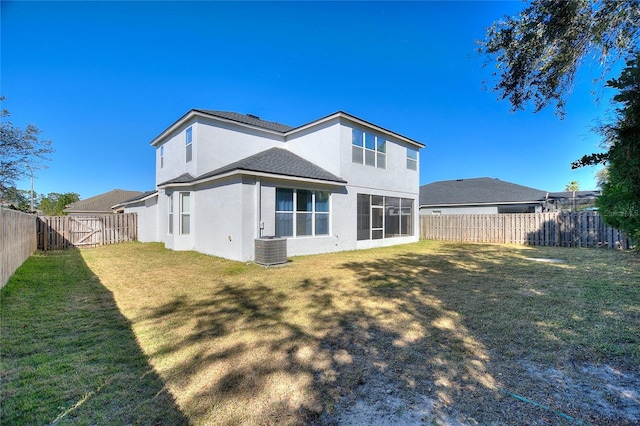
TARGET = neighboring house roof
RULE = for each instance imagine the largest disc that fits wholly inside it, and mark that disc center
(101, 203)
(283, 130)
(477, 191)
(273, 161)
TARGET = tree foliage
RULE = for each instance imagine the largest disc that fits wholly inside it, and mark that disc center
(539, 51)
(18, 199)
(20, 149)
(537, 55)
(54, 203)
(573, 186)
(620, 199)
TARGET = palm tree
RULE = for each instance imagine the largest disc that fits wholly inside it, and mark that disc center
(573, 186)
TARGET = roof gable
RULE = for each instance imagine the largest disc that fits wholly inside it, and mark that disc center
(272, 126)
(477, 191)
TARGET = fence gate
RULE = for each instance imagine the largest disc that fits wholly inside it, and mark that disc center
(63, 232)
(85, 231)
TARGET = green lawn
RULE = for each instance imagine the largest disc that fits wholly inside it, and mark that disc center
(136, 334)
(69, 356)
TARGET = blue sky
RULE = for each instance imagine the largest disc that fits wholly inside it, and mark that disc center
(102, 79)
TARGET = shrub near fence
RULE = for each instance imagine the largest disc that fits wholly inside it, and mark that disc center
(560, 229)
(17, 241)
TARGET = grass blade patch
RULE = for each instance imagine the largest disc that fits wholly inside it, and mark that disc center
(69, 356)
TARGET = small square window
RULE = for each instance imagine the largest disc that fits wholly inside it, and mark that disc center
(357, 137)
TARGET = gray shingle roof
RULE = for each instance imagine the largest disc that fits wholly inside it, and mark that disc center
(477, 191)
(248, 119)
(183, 178)
(275, 161)
(102, 203)
(138, 197)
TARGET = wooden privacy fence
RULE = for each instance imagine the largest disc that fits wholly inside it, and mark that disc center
(17, 241)
(63, 232)
(560, 229)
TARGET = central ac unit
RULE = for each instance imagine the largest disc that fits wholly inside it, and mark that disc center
(271, 251)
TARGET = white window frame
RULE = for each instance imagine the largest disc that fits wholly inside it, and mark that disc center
(170, 214)
(359, 149)
(185, 214)
(188, 138)
(314, 213)
(412, 158)
(162, 156)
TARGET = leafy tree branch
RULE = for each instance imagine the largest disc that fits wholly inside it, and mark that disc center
(538, 52)
(20, 148)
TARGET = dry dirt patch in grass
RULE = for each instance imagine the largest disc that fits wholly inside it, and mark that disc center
(428, 332)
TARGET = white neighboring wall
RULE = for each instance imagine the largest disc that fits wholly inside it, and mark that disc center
(147, 211)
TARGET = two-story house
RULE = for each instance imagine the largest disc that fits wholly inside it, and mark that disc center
(224, 179)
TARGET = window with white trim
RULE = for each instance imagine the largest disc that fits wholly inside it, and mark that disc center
(412, 158)
(381, 217)
(185, 213)
(302, 213)
(170, 214)
(162, 156)
(368, 149)
(189, 144)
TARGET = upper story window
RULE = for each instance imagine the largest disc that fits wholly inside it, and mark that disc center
(368, 149)
(189, 144)
(162, 156)
(301, 212)
(412, 158)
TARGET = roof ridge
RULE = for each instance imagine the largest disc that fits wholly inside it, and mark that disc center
(249, 119)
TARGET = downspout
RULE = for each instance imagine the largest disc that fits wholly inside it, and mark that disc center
(258, 208)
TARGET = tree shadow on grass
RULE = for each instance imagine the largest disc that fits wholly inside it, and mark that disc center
(404, 339)
(489, 321)
(254, 353)
(69, 356)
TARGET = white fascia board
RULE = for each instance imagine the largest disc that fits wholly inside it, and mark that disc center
(494, 203)
(355, 120)
(193, 113)
(153, 194)
(250, 173)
